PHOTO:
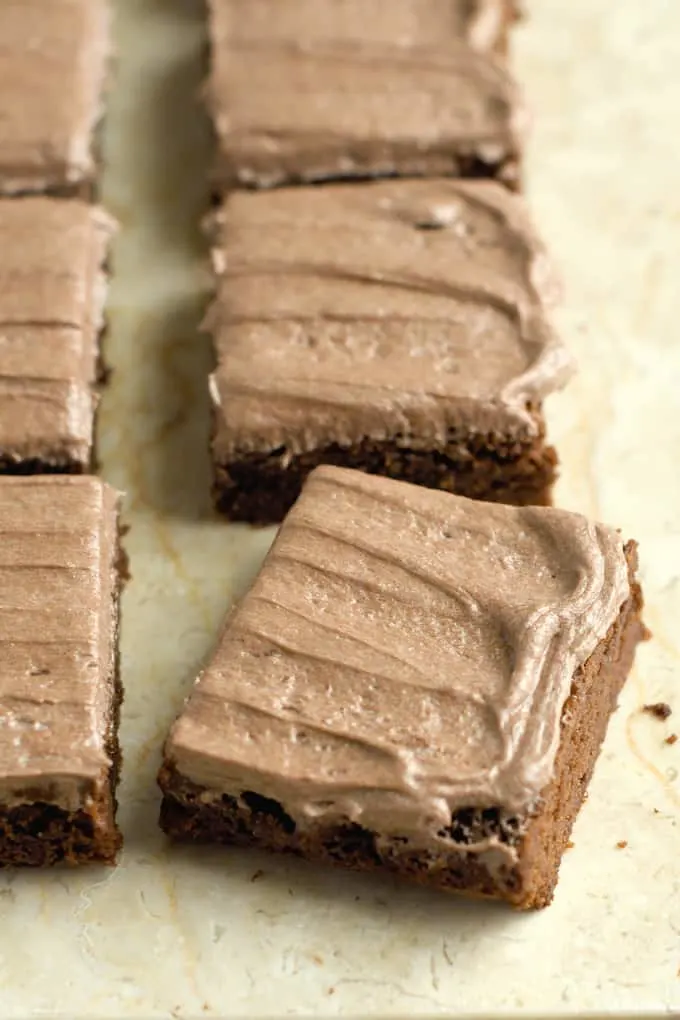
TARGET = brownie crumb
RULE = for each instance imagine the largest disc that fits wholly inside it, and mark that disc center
(660, 710)
(622, 844)
(671, 739)
(257, 876)
(569, 846)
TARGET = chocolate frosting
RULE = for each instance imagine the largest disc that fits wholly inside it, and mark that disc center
(52, 293)
(53, 56)
(480, 23)
(57, 638)
(403, 654)
(397, 310)
(314, 89)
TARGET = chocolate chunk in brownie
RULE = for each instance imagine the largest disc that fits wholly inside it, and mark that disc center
(660, 710)
(313, 90)
(52, 292)
(53, 62)
(60, 574)
(416, 683)
(399, 327)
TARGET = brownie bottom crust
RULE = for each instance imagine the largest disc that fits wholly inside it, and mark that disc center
(260, 488)
(40, 466)
(251, 820)
(39, 834)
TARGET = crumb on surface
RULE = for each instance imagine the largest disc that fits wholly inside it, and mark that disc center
(659, 709)
(257, 875)
(570, 845)
(622, 844)
(671, 739)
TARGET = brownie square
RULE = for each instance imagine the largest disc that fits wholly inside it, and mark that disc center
(399, 327)
(52, 292)
(53, 62)
(314, 90)
(60, 573)
(416, 683)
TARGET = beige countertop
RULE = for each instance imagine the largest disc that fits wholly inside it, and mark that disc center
(187, 933)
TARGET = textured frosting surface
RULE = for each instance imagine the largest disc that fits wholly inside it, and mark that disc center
(480, 23)
(310, 89)
(53, 56)
(51, 304)
(395, 310)
(393, 684)
(57, 637)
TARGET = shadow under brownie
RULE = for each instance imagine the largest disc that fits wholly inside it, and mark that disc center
(315, 90)
(399, 327)
(417, 683)
(53, 67)
(61, 569)
(52, 293)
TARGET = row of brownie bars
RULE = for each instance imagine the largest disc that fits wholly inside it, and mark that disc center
(416, 682)
(61, 565)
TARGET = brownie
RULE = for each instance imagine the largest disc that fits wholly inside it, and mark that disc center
(315, 90)
(398, 327)
(416, 683)
(60, 573)
(53, 65)
(52, 292)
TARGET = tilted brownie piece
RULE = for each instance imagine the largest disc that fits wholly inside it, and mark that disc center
(52, 292)
(312, 90)
(53, 65)
(416, 683)
(60, 573)
(399, 327)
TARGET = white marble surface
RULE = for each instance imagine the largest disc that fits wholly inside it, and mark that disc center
(186, 934)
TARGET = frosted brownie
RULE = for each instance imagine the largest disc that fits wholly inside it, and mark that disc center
(399, 327)
(60, 573)
(416, 683)
(52, 292)
(312, 90)
(53, 65)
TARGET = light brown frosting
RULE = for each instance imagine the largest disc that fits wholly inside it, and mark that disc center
(480, 23)
(53, 56)
(52, 292)
(58, 627)
(395, 310)
(314, 89)
(403, 654)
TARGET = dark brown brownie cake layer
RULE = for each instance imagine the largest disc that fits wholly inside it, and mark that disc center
(261, 488)
(254, 821)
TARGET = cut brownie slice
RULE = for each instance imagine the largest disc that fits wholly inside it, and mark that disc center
(53, 62)
(399, 327)
(417, 683)
(312, 90)
(52, 291)
(60, 573)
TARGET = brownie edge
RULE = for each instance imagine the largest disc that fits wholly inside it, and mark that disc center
(261, 488)
(253, 820)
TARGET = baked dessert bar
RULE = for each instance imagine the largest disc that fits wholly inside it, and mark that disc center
(53, 66)
(314, 90)
(52, 293)
(61, 569)
(416, 683)
(399, 327)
